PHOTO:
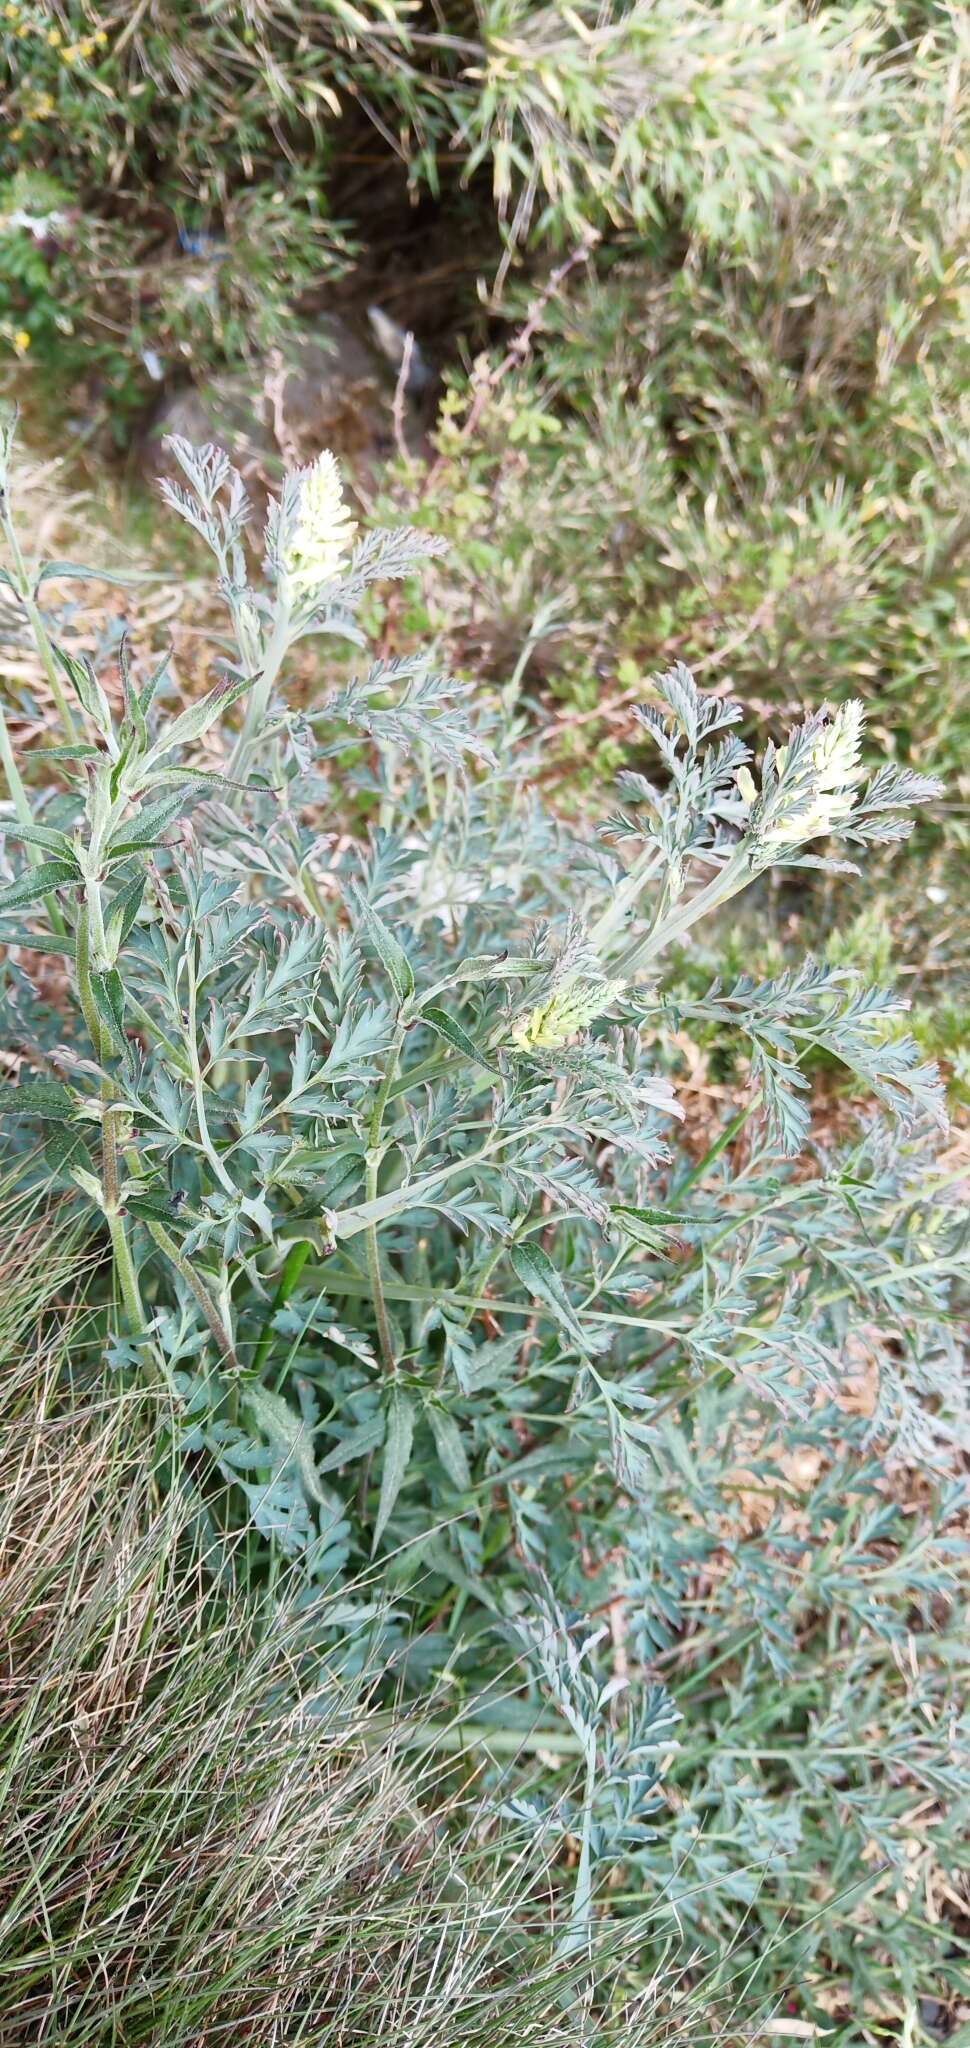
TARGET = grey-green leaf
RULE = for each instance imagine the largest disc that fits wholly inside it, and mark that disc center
(49, 1100)
(288, 1434)
(539, 1276)
(453, 1033)
(40, 835)
(109, 995)
(196, 720)
(358, 1443)
(392, 957)
(397, 1452)
(145, 829)
(449, 1446)
(81, 572)
(29, 888)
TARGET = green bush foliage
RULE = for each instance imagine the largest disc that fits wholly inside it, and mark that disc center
(690, 464)
(745, 435)
(382, 1134)
(673, 129)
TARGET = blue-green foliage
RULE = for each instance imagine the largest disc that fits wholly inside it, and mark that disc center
(386, 1140)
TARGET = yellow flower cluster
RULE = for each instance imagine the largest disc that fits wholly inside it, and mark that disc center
(569, 1011)
(322, 538)
(837, 771)
(84, 49)
(69, 53)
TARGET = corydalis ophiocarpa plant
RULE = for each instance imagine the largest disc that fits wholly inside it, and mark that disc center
(384, 1133)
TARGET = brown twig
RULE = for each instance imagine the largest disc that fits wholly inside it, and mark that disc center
(274, 395)
(519, 348)
(400, 388)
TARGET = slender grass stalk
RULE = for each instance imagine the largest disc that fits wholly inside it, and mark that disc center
(373, 1163)
(241, 1855)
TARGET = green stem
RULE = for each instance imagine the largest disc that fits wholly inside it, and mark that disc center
(127, 1277)
(374, 1275)
(192, 1046)
(82, 965)
(377, 1208)
(199, 1291)
(374, 1157)
(624, 899)
(111, 1183)
(109, 1160)
(734, 876)
(98, 939)
(258, 701)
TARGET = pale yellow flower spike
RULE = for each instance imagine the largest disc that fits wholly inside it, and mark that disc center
(324, 534)
(838, 771)
(568, 1012)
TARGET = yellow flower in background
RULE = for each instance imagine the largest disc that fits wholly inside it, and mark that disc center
(54, 37)
(324, 532)
(21, 341)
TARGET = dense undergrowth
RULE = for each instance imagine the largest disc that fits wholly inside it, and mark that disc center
(649, 1442)
(180, 119)
(737, 427)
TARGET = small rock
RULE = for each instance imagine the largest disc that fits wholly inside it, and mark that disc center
(328, 389)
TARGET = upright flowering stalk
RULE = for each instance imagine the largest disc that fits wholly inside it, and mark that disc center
(309, 537)
(812, 788)
(318, 544)
(809, 790)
